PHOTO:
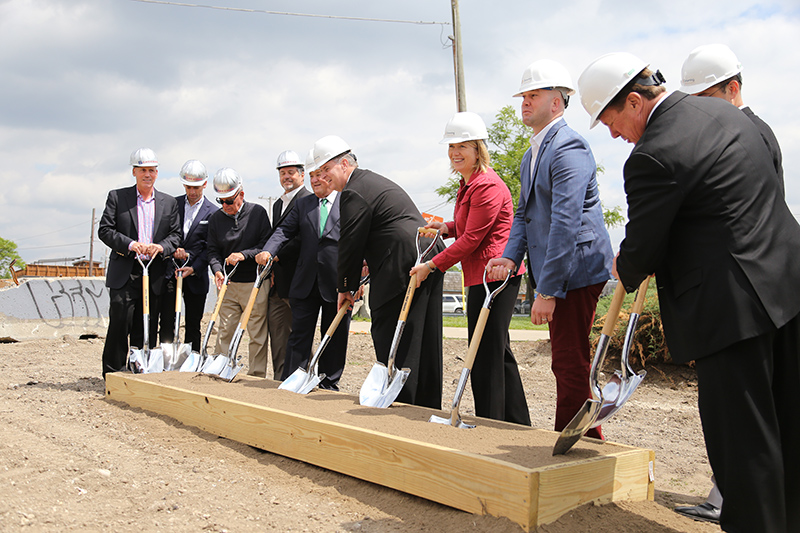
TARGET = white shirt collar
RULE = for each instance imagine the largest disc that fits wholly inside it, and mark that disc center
(287, 197)
(666, 95)
(536, 140)
(331, 197)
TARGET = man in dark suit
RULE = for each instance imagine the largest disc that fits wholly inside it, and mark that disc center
(714, 70)
(315, 228)
(193, 210)
(379, 224)
(707, 215)
(279, 314)
(136, 220)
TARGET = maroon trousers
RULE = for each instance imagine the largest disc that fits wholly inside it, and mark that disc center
(569, 339)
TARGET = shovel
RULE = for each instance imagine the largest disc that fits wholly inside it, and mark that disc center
(587, 414)
(472, 351)
(199, 362)
(139, 360)
(233, 364)
(384, 382)
(303, 380)
(624, 382)
(176, 353)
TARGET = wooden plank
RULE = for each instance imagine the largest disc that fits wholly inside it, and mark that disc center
(460, 479)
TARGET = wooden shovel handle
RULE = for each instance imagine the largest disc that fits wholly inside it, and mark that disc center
(178, 294)
(220, 297)
(641, 295)
(249, 309)
(472, 351)
(335, 324)
(412, 286)
(614, 309)
(146, 294)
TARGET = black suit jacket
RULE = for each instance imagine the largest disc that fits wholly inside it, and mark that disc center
(196, 244)
(317, 255)
(707, 215)
(379, 223)
(119, 226)
(284, 269)
(772, 142)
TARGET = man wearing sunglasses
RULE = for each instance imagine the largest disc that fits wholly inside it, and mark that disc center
(236, 233)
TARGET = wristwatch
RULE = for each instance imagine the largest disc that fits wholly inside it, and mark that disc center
(428, 264)
(544, 296)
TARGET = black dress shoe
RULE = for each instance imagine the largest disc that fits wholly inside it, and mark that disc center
(704, 512)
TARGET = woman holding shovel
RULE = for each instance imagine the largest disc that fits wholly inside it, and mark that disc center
(481, 224)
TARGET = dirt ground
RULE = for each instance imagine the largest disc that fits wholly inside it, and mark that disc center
(72, 460)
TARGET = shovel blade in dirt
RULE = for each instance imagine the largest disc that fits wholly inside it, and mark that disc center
(192, 362)
(215, 364)
(175, 355)
(379, 390)
(136, 361)
(579, 424)
(155, 362)
(590, 410)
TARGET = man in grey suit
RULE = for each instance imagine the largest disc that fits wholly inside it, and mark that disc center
(559, 223)
(279, 312)
(136, 220)
(706, 214)
(314, 225)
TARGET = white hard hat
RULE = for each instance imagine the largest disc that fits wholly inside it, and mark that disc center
(327, 148)
(310, 166)
(193, 173)
(708, 65)
(227, 183)
(604, 78)
(545, 74)
(144, 157)
(289, 158)
(464, 126)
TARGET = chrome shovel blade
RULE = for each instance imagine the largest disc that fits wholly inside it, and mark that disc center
(579, 424)
(136, 362)
(216, 365)
(192, 362)
(375, 384)
(391, 391)
(454, 421)
(155, 362)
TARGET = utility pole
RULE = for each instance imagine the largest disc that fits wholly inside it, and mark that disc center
(91, 247)
(458, 59)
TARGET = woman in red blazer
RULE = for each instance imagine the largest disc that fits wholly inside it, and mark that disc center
(481, 223)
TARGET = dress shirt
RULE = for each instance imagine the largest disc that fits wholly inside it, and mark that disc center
(536, 142)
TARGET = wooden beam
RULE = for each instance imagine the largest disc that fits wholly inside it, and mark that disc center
(529, 496)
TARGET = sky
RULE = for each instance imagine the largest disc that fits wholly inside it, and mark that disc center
(85, 83)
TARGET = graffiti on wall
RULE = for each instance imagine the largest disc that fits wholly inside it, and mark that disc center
(57, 301)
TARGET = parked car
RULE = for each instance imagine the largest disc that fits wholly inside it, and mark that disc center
(452, 303)
(523, 308)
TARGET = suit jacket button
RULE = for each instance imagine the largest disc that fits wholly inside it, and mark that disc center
(527, 220)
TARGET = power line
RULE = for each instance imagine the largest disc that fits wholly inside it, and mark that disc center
(311, 15)
(49, 232)
(54, 246)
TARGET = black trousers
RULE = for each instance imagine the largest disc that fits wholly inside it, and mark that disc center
(193, 308)
(421, 344)
(298, 348)
(496, 384)
(747, 394)
(125, 321)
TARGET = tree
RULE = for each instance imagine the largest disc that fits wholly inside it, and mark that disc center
(8, 252)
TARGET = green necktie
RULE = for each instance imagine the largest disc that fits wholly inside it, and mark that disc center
(323, 215)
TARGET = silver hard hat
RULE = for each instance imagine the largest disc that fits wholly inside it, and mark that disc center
(144, 157)
(227, 183)
(193, 173)
(289, 158)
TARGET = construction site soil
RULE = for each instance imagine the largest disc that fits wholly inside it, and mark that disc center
(70, 459)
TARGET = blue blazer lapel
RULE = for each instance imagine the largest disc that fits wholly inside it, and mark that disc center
(525, 175)
(333, 217)
(547, 140)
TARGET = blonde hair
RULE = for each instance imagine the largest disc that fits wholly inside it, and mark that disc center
(484, 161)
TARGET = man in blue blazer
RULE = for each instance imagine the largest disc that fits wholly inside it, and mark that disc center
(316, 228)
(559, 223)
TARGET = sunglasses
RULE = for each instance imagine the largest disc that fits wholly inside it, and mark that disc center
(227, 201)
